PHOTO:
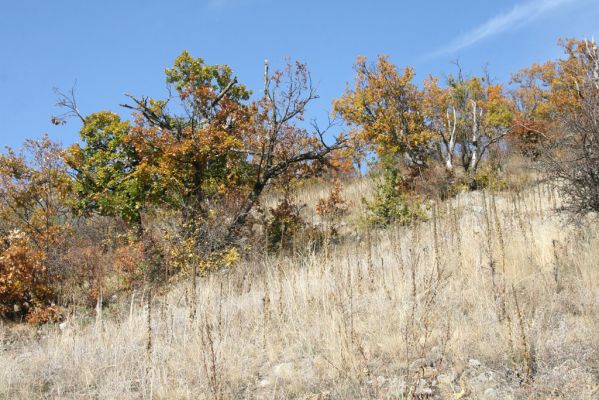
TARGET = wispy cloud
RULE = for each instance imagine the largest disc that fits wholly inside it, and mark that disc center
(519, 15)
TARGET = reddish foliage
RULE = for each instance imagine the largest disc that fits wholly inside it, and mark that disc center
(24, 278)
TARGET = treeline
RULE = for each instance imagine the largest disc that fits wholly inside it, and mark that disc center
(176, 190)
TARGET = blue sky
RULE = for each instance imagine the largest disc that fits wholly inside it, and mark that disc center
(111, 47)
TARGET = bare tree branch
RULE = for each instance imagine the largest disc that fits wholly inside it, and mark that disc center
(67, 101)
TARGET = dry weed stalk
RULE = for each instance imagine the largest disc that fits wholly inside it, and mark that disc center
(149, 372)
(210, 360)
(265, 314)
(500, 238)
(436, 240)
(370, 263)
(556, 267)
(528, 361)
(457, 234)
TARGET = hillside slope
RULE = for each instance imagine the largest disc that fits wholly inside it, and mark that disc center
(493, 298)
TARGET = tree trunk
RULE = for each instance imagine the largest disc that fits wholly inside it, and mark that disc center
(244, 211)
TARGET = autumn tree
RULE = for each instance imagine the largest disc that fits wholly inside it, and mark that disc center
(222, 147)
(533, 107)
(188, 143)
(281, 146)
(384, 112)
(107, 181)
(572, 158)
(441, 110)
(34, 228)
(469, 116)
(392, 117)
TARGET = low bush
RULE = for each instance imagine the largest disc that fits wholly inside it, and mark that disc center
(332, 209)
(284, 223)
(25, 283)
(391, 205)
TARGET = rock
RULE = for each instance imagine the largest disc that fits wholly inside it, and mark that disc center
(485, 379)
(418, 363)
(477, 209)
(472, 363)
(447, 379)
(326, 395)
(482, 382)
(434, 356)
(320, 396)
(490, 394)
(264, 383)
(283, 370)
(423, 389)
(397, 388)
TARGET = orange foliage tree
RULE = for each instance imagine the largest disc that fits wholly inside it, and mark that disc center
(191, 154)
(223, 149)
(34, 189)
(572, 158)
(532, 100)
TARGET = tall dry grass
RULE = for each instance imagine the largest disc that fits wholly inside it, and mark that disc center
(492, 298)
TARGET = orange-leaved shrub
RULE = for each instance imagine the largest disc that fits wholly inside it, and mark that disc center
(332, 209)
(25, 282)
(284, 223)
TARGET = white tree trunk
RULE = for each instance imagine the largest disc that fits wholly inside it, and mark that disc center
(450, 144)
(475, 140)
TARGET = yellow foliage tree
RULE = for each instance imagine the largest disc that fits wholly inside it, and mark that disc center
(384, 111)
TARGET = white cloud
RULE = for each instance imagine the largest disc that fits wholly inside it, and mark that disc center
(519, 15)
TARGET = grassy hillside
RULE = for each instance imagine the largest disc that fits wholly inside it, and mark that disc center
(493, 297)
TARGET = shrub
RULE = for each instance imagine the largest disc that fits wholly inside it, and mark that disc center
(331, 209)
(87, 264)
(24, 278)
(390, 204)
(434, 182)
(177, 251)
(130, 263)
(489, 177)
(45, 314)
(284, 223)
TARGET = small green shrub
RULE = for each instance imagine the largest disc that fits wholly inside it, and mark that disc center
(489, 177)
(391, 205)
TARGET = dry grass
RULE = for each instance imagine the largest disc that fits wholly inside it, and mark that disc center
(492, 298)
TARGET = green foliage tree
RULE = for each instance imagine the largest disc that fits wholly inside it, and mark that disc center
(107, 180)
